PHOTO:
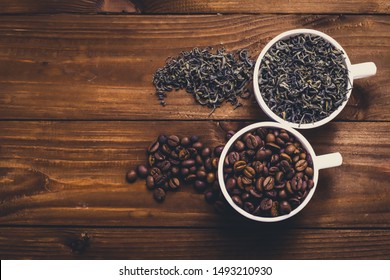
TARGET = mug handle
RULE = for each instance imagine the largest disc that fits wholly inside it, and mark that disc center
(363, 70)
(328, 160)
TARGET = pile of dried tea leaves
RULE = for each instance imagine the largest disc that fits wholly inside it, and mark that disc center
(210, 78)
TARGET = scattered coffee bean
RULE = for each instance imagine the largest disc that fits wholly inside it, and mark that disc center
(159, 194)
(131, 176)
(142, 171)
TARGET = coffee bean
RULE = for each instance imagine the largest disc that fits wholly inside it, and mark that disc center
(279, 176)
(208, 164)
(310, 184)
(280, 142)
(184, 154)
(262, 132)
(193, 169)
(240, 184)
(175, 170)
(282, 194)
(150, 182)
(159, 156)
(190, 178)
(231, 183)
(162, 139)
(198, 145)
(214, 162)
(245, 196)
(257, 166)
(194, 138)
(295, 158)
(131, 176)
(201, 174)
(254, 193)
(268, 183)
(165, 165)
(159, 194)
(251, 142)
(200, 185)
(309, 171)
(160, 180)
(259, 184)
(301, 165)
(173, 141)
(155, 172)
(249, 207)
(218, 150)
(165, 149)
(153, 147)
(230, 134)
(261, 155)
(249, 172)
(185, 141)
(184, 171)
(209, 196)
(239, 146)
(174, 183)
(270, 138)
(274, 209)
(272, 193)
(273, 147)
(239, 166)
(290, 149)
(237, 200)
(286, 157)
(302, 155)
(246, 181)
(272, 170)
(266, 203)
(188, 163)
(233, 157)
(142, 171)
(294, 202)
(206, 152)
(210, 177)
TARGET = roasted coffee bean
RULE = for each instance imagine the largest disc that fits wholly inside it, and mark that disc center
(265, 171)
(231, 183)
(251, 142)
(240, 184)
(246, 181)
(150, 182)
(259, 184)
(173, 141)
(290, 149)
(165, 165)
(153, 147)
(174, 183)
(175, 170)
(218, 150)
(295, 158)
(214, 162)
(210, 177)
(200, 186)
(239, 166)
(245, 196)
(261, 155)
(268, 153)
(280, 186)
(165, 149)
(206, 152)
(193, 169)
(302, 155)
(209, 196)
(233, 157)
(201, 174)
(266, 203)
(272, 193)
(285, 156)
(249, 207)
(310, 184)
(208, 164)
(274, 209)
(184, 171)
(184, 154)
(160, 180)
(262, 132)
(289, 187)
(188, 163)
(272, 170)
(270, 138)
(155, 172)
(142, 171)
(258, 166)
(294, 202)
(237, 200)
(268, 183)
(198, 145)
(309, 171)
(185, 141)
(254, 193)
(279, 176)
(162, 139)
(190, 178)
(174, 155)
(273, 147)
(282, 194)
(199, 160)
(194, 138)
(239, 146)
(159, 156)
(131, 176)
(284, 136)
(301, 165)
(230, 134)
(159, 194)
(249, 172)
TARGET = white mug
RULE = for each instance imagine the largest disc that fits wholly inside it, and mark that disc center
(319, 162)
(356, 71)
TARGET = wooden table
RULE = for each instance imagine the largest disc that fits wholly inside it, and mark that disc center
(78, 109)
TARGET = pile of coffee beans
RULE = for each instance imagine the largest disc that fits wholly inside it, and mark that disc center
(175, 162)
(267, 172)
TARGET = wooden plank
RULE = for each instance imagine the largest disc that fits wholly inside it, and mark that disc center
(73, 6)
(101, 67)
(196, 7)
(72, 173)
(184, 243)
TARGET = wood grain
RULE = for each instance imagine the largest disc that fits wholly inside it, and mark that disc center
(72, 6)
(86, 67)
(184, 243)
(195, 6)
(72, 173)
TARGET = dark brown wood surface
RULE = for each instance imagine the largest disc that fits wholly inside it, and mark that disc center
(78, 109)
